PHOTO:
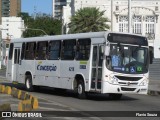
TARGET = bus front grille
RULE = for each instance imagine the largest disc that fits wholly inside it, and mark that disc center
(125, 78)
(127, 89)
(126, 83)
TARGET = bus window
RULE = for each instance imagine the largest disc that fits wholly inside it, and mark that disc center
(54, 50)
(68, 51)
(83, 49)
(41, 53)
(23, 50)
(11, 51)
(30, 50)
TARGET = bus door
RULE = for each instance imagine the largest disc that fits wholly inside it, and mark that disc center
(97, 59)
(15, 63)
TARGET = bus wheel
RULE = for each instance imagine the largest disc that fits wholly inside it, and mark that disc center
(28, 83)
(114, 96)
(81, 90)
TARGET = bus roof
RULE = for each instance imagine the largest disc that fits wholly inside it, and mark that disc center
(71, 36)
(62, 37)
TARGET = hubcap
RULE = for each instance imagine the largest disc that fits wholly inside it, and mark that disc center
(79, 89)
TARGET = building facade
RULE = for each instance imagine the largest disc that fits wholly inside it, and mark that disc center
(10, 7)
(145, 16)
(11, 27)
(58, 8)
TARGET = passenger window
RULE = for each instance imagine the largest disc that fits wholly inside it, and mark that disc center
(30, 50)
(83, 49)
(41, 53)
(54, 50)
(68, 49)
(11, 51)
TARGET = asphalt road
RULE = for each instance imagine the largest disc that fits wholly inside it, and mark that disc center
(100, 103)
(55, 100)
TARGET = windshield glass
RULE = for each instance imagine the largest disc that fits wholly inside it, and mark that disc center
(128, 59)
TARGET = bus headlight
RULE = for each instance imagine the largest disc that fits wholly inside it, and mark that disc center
(144, 82)
(113, 80)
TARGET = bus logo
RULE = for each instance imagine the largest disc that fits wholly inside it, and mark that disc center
(47, 68)
(128, 83)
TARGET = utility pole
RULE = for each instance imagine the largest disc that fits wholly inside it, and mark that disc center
(111, 15)
(129, 16)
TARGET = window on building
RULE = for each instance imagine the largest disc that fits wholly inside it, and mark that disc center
(54, 50)
(123, 23)
(150, 27)
(150, 20)
(83, 49)
(117, 8)
(11, 51)
(137, 24)
(30, 50)
(41, 52)
(68, 49)
(156, 8)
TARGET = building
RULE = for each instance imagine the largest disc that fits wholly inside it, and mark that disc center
(10, 7)
(145, 16)
(12, 27)
(58, 8)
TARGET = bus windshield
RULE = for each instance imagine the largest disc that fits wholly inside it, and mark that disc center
(128, 59)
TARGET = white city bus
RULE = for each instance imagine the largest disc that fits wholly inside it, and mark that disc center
(101, 62)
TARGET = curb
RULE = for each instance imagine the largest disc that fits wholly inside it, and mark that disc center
(27, 103)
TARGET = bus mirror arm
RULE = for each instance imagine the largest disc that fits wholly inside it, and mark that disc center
(107, 50)
(20, 62)
(151, 57)
(108, 59)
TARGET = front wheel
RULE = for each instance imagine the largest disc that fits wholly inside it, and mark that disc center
(81, 90)
(28, 83)
(114, 96)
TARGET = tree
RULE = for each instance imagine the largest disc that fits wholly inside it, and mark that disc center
(89, 19)
(41, 23)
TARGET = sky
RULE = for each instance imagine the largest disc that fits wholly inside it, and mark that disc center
(38, 6)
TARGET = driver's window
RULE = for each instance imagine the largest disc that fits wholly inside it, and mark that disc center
(115, 56)
(140, 56)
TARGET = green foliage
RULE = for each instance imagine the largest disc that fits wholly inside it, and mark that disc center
(42, 22)
(88, 19)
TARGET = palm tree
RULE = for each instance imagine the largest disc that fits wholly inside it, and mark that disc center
(88, 19)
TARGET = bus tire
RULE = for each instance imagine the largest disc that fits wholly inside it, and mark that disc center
(114, 96)
(81, 90)
(28, 83)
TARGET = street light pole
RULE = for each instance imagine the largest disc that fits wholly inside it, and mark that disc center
(129, 16)
(111, 15)
(35, 30)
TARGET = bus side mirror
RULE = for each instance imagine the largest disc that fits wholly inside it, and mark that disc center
(107, 50)
(151, 56)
